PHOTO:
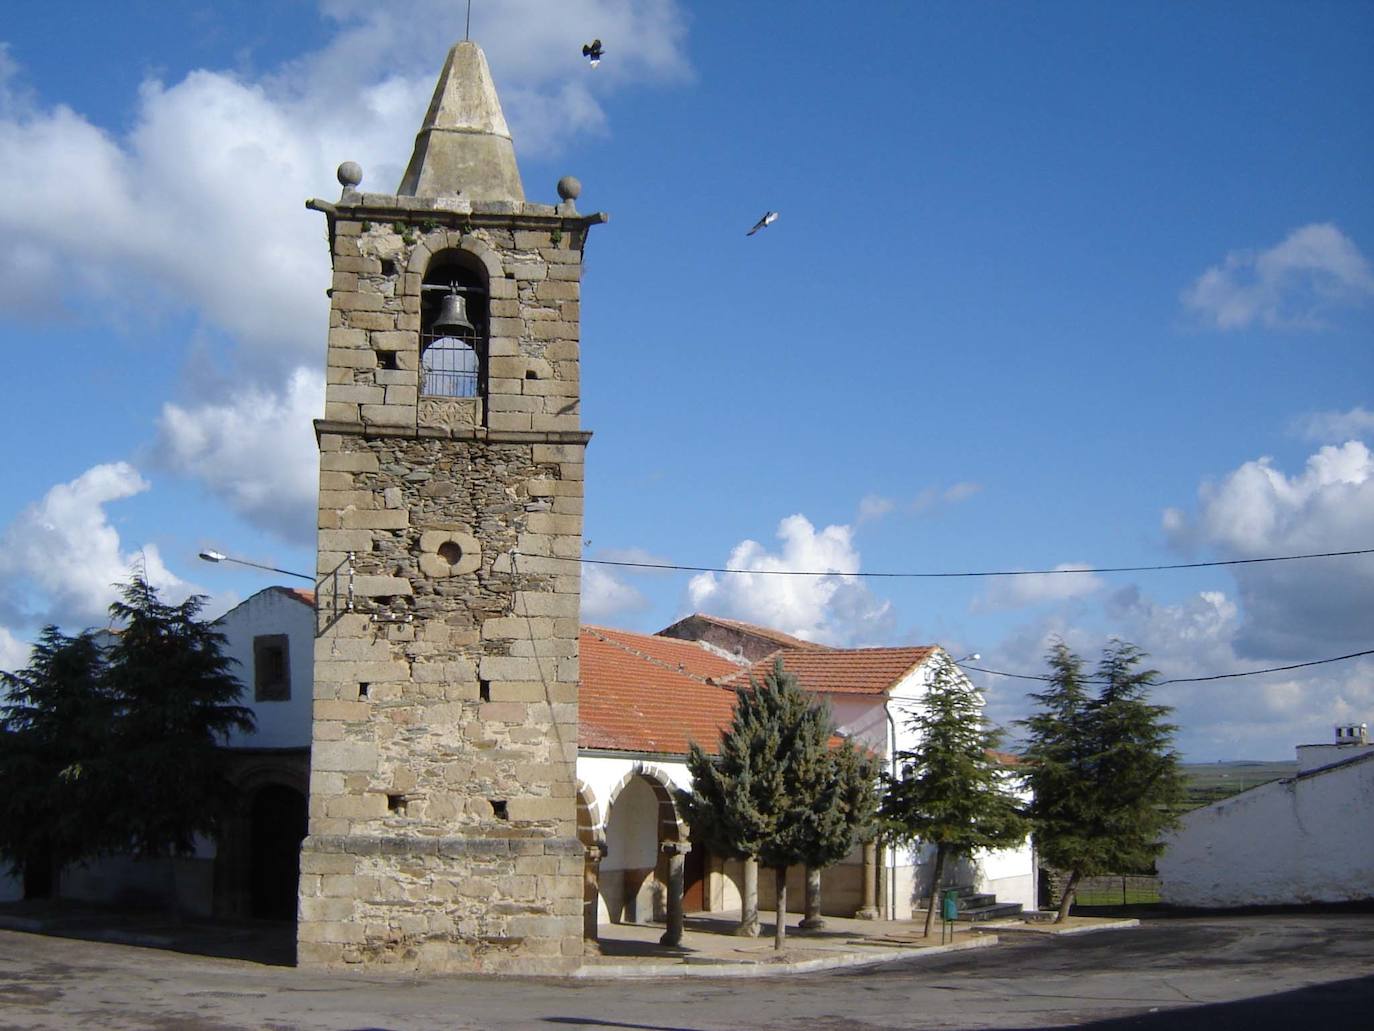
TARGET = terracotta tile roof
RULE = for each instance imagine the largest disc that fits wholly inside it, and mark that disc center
(300, 594)
(634, 698)
(684, 656)
(842, 670)
(767, 633)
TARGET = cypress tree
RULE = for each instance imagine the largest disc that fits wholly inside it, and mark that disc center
(775, 792)
(1101, 769)
(176, 698)
(55, 759)
(952, 793)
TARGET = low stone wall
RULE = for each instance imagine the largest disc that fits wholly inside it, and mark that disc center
(486, 904)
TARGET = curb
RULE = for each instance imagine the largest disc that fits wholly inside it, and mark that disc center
(1105, 925)
(755, 968)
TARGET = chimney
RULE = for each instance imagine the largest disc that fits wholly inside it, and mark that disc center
(1352, 733)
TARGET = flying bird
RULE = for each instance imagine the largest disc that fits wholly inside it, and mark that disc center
(769, 217)
(592, 52)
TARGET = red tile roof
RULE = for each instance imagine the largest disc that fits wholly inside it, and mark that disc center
(767, 633)
(685, 656)
(632, 700)
(843, 671)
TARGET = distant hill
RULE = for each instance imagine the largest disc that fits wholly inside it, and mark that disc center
(1211, 782)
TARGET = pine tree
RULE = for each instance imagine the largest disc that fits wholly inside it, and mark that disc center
(55, 759)
(775, 792)
(1101, 769)
(952, 793)
(1137, 765)
(176, 699)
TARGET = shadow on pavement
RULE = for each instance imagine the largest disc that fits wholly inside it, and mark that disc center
(269, 942)
(1336, 1004)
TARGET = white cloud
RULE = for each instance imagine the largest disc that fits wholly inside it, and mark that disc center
(1293, 284)
(1015, 592)
(256, 451)
(1336, 427)
(14, 653)
(198, 206)
(874, 506)
(1259, 717)
(831, 609)
(606, 597)
(60, 557)
(1293, 610)
(935, 497)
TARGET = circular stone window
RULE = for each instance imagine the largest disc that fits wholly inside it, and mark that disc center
(449, 553)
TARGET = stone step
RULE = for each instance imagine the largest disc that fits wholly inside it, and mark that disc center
(976, 906)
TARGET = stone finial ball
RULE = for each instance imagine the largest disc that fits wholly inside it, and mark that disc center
(350, 174)
(569, 188)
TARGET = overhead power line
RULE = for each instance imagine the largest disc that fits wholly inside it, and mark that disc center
(1182, 680)
(627, 564)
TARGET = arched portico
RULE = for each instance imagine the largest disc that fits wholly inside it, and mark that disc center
(646, 841)
(257, 858)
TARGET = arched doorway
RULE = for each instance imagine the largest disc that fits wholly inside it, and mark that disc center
(277, 826)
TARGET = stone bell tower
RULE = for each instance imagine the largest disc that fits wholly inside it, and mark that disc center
(442, 813)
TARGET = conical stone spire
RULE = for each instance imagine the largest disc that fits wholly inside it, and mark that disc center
(464, 146)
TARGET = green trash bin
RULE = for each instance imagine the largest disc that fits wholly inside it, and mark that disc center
(949, 905)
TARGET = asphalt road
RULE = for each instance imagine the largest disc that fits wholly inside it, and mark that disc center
(1308, 971)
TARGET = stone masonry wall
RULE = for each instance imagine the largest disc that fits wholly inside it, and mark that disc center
(442, 801)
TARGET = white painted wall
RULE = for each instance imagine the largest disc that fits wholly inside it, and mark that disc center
(1312, 756)
(1007, 873)
(284, 724)
(1305, 839)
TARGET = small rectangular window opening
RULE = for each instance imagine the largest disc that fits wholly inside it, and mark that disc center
(396, 804)
(362, 691)
(271, 668)
(484, 690)
(499, 809)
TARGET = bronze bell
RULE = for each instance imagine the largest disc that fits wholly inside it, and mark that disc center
(452, 319)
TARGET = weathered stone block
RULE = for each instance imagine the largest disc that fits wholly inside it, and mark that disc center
(388, 415)
(343, 756)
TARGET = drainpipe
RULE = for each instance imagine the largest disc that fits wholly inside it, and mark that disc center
(891, 849)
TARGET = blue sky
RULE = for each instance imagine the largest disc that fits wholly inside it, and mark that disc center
(1052, 285)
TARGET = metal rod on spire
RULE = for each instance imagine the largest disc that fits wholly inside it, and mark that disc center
(467, 29)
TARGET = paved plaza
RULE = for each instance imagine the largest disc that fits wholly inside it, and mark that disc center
(1314, 970)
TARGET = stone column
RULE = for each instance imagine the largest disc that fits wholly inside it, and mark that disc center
(675, 851)
(591, 889)
(869, 909)
(811, 920)
(749, 900)
(884, 892)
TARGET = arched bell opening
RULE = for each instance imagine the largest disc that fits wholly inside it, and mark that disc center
(454, 327)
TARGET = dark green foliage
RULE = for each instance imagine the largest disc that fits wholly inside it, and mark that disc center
(1105, 779)
(54, 756)
(110, 750)
(952, 794)
(177, 698)
(777, 792)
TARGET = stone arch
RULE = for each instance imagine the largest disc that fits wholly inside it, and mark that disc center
(439, 242)
(237, 855)
(591, 829)
(671, 826)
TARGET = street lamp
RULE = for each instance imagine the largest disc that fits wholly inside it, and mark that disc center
(219, 556)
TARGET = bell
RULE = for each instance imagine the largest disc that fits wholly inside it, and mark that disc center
(452, 319)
